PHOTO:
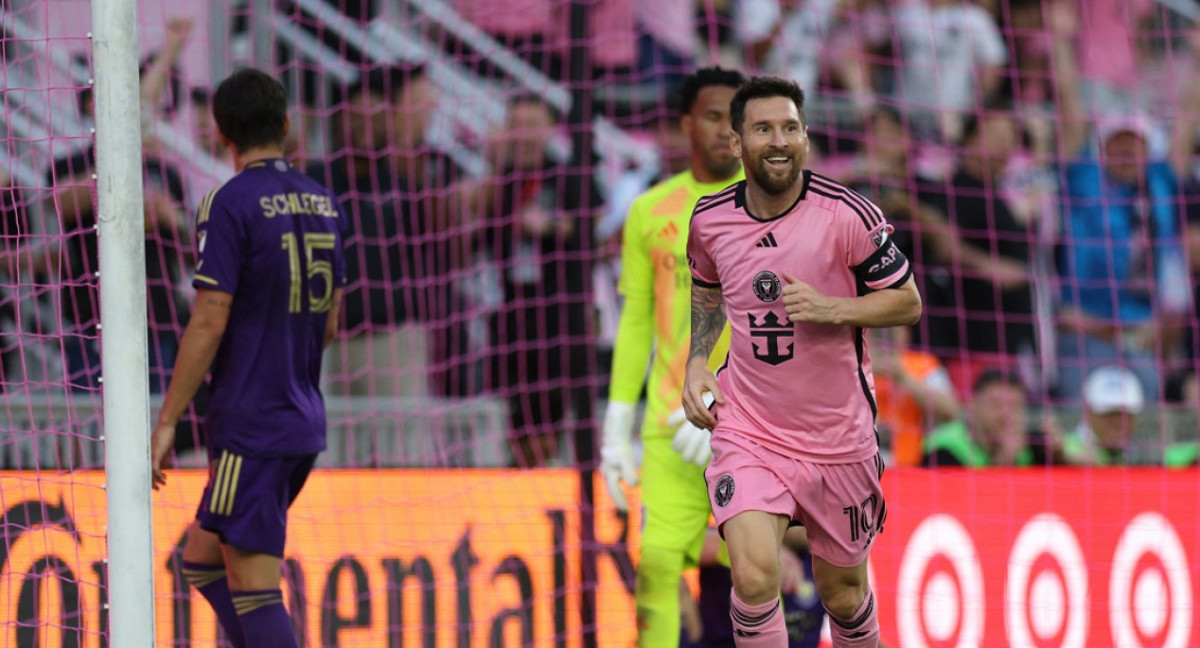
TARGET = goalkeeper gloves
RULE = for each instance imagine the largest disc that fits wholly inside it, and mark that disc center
(691, 442)
(616, 452)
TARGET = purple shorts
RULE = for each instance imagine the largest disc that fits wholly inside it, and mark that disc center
(246, 499)
(840, 505)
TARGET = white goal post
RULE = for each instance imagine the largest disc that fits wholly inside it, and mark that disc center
(123, 316)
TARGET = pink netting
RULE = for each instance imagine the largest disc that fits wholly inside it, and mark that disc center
(1037, 160)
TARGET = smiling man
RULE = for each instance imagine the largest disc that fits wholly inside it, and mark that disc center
(800, 265)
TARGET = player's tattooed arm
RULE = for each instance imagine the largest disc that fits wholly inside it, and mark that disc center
(708, 320)
(219, 300)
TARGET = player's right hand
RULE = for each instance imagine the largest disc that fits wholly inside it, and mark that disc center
(162, 440)
(700, 381)
(616, 452)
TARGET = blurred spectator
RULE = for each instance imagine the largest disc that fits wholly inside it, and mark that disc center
(1131, 53)
(612, 37)
(166, 258)
(1185, 454)
(666, 48)
(1184, 160)
(995, 430)
(206, 173)
(802, 608)
(403, 314)
(161, 91)
(951, 58)
(913, 393)
(1107, 53)
(205, 127)
(1166, 48)
(981, 307)
(527, 27)
(1112, 401)
(1125, 288)
(888, 170)
(537, 229)
(14, 268)
(816, 43)
(1183, 394)
(891, 170)
(1030, 44)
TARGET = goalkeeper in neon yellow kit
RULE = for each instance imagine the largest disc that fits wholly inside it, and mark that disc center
(656, 317)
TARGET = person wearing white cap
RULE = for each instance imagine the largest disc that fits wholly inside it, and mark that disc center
(1113, 399)
(1125, 275)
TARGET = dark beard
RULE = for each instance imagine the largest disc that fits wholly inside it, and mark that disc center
(774, 185)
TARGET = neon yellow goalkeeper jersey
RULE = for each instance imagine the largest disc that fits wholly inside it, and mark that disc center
(657, 289)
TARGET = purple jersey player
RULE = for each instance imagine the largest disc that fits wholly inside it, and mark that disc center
(268, 286)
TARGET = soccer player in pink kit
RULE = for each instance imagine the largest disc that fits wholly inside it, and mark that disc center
(800, 265)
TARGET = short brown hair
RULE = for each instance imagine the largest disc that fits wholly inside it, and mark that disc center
(764, 88)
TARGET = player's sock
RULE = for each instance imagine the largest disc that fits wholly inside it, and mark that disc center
(658, 574)
(757, 626)
(860, 631)
(210, 581)
(265, 621)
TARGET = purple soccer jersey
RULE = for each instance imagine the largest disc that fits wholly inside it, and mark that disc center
(272, 238)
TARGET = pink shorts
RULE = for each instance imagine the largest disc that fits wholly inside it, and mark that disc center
(840, 505)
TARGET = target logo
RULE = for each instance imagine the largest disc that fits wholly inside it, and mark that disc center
(1046, 594)
(1150, 589)
(940, 599)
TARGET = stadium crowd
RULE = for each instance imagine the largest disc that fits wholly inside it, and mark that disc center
(1038, 160)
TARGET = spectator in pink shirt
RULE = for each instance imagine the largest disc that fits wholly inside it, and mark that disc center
(527, 27)
(1107, 56)
(665, 41)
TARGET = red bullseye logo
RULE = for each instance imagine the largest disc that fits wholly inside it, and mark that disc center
(940, 598)
(1046, 594)
(1150, 588)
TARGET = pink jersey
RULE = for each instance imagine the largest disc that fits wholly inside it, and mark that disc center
(803, 390)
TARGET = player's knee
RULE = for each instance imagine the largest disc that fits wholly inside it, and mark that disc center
(202, 547)
(843, 599)
(251, 571)
(756, 581)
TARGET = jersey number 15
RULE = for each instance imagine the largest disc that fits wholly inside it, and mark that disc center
(316, 268)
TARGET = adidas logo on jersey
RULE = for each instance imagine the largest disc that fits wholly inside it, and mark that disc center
(768, 241)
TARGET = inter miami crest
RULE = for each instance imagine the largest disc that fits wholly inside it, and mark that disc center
(724, 491)
(767, 286)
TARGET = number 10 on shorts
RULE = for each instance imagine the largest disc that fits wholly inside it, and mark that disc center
(866, 518)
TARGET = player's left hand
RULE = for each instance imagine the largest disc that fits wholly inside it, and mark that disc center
(803, 303)
(162, 440)
(691, 442)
